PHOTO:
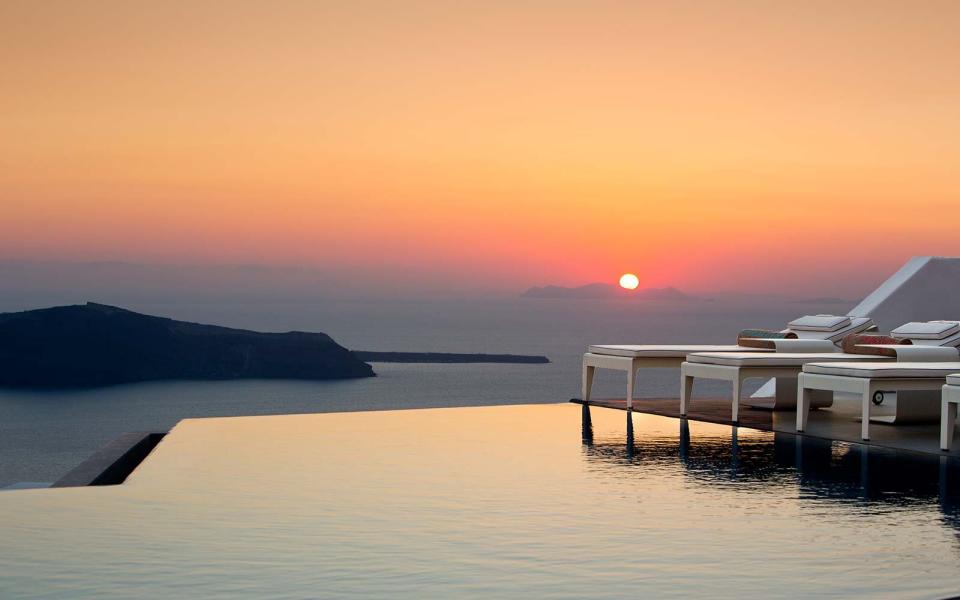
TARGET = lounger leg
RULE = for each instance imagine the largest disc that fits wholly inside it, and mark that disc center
(736, 398)
(803, 404)
(631, 374)
(587, 383)
(686, 392)
(948, 420)
(865, 423)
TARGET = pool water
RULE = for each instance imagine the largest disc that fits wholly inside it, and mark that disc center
(543, 501)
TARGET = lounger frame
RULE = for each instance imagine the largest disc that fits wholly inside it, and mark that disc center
(737, 375)
(592, 362)
(809, 384)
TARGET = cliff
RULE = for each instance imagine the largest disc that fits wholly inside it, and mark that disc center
(94, 344)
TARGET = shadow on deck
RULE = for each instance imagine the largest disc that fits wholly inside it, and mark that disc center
(710, 410)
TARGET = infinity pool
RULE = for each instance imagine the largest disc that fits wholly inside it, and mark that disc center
(490, 502)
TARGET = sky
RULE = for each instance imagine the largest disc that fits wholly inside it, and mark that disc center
(807, 147)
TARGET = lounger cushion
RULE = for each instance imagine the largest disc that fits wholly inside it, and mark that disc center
(927, 330)
(953, 379)
(856, 325)
(819, 323)
(885, 370)
(775, 359)
(664, 351)
(767, 334)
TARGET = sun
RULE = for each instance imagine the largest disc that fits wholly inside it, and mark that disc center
(629, 281)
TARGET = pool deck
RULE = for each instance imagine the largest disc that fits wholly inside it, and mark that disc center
(839, 423)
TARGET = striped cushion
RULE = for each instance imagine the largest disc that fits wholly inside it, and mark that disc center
(758, 338)
(853, 344)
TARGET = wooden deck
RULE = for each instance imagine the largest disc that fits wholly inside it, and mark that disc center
(835, 424)
(710, 410)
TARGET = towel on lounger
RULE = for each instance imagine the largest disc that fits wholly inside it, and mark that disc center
(853, 344)
(757, 338)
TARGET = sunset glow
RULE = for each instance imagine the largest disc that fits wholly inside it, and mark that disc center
(404, 144)
(432, 298)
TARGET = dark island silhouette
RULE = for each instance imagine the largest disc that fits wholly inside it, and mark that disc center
(448, 357)
(89, 345)
(605, 291)
(95, 344)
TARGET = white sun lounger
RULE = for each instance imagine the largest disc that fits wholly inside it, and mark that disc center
(815, 333)
(866, 378)
(737, 367)
(950, 399)
(933, 341)
(929, 341)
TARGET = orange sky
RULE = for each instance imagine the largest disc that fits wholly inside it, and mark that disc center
(708, 145)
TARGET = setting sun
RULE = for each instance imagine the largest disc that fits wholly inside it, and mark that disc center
(629, 281)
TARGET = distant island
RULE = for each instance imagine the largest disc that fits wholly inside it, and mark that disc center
(447, 357)
(88, 345)
(606, 291)
(94, 345)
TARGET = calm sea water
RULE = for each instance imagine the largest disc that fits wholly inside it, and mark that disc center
(492, 502)
(44, 434)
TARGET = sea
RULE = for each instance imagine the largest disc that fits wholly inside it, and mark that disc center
(345, 492)
(44, 434)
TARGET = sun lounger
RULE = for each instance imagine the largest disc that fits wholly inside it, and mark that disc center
(816, 333)
(866, 378)
(950, 399)
(737, 367)
(931, 341)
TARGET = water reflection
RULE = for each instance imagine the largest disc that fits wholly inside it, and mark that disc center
(478, 503)
(819, 470)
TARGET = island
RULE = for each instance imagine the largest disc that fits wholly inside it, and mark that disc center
(448, 357)
(606, 291)
(95, 344)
